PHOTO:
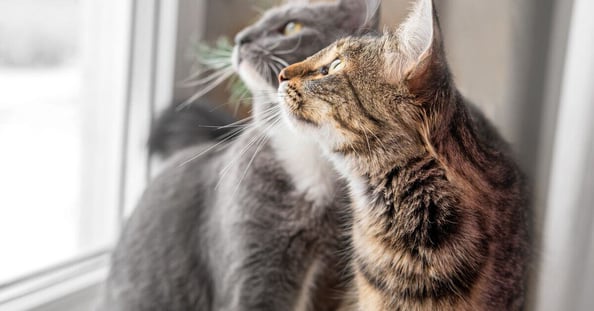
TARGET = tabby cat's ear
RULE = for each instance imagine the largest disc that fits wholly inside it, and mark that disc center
(364, 15)
(414, 42)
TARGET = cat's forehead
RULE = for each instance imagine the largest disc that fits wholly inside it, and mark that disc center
(326, 55)
(350, 45)
(342, 47)
(301, 12)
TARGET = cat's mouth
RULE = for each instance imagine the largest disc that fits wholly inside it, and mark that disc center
(289, 100)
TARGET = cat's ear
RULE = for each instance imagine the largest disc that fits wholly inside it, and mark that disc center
(415, 41)
(363, 15)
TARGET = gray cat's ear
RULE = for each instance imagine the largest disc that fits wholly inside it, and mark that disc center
(364, 15)
(414, 41)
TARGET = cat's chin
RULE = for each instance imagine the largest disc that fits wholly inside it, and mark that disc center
(292, 122)
(321, 135)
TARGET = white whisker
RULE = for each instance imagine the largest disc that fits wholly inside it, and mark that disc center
(261, 143)
(253, 141)
(206, 89)
(227, 72)
(279, 60)
(230, 136)
(285, 52)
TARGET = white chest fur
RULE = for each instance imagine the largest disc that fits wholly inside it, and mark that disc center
(305, 162)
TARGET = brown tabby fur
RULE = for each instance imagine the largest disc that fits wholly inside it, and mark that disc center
(441, 219)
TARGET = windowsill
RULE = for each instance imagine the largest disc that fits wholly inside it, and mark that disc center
(73, 287)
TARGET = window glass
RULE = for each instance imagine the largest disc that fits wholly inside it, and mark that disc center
(60, 131)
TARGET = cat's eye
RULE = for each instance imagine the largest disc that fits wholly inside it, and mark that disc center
(292, 28)
(336, 65)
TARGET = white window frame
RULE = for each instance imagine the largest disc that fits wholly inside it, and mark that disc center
(565, 275)
(157, 38)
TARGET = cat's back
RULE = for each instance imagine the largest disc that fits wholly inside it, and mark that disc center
(156, 265)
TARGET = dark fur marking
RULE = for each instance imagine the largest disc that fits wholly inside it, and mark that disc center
(372, 279)
(364, 110)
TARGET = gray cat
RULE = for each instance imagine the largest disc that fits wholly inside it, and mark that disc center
(254, 224)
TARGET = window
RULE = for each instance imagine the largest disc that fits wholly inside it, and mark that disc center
(81, 81)
(64, 76)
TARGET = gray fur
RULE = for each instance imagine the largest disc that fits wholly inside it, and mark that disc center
(176, 129)
(179, 252)
(247, 240)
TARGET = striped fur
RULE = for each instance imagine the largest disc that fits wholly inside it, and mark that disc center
(440, 212)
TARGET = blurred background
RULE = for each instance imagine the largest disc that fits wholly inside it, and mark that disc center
(81, 82)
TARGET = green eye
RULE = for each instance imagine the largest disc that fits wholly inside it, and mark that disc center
(292, 28)
(336, 65)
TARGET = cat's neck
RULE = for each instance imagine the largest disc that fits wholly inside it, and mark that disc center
(302, 158)
(456, 142)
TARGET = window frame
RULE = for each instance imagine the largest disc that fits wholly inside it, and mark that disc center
(154, 60)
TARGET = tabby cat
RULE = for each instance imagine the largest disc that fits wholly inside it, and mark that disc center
(255, 223)
(440, 218)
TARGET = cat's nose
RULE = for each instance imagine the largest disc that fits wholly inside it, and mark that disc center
(297, 70)
(282, 76)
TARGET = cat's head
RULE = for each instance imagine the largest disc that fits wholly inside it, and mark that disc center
(292, 32)
(370, 95)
